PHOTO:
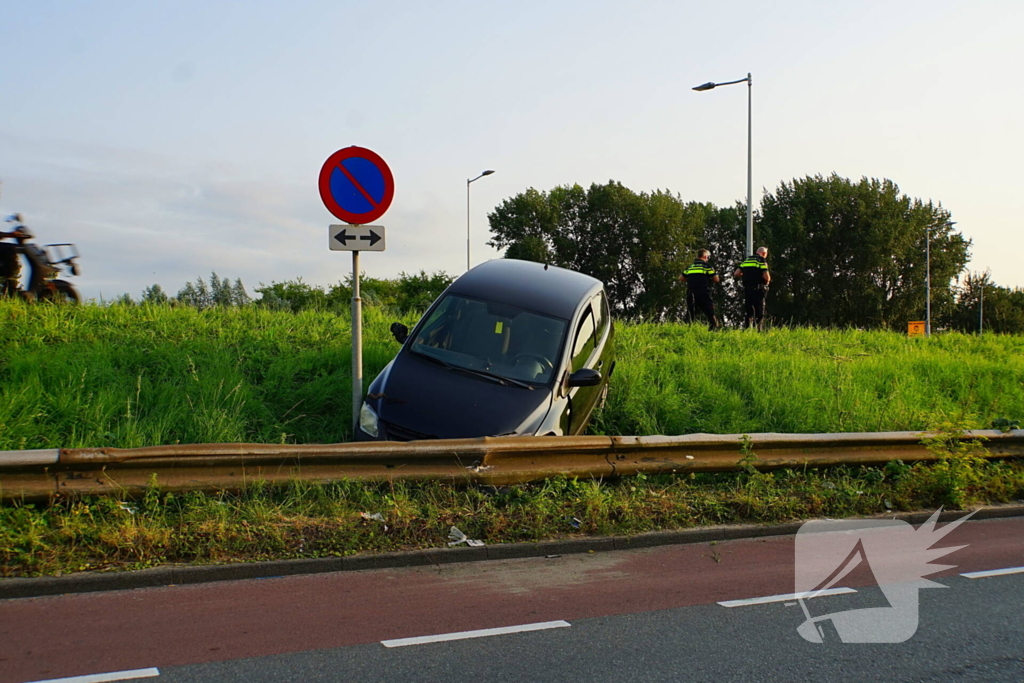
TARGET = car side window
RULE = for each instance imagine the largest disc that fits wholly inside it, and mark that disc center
(603, 317)
(434, 333)
(585, 341)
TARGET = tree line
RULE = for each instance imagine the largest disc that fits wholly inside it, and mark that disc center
(407, 292)
(842, 253)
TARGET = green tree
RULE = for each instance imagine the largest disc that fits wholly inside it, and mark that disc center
(221, 292)
(154, 294)
(853, 254)
(296, 295)
(239, 297)
(1001, 307)
(637, 244)
(418, 291)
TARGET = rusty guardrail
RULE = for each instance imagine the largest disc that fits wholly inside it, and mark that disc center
(42, 474)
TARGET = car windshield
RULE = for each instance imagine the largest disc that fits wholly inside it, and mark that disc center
(501, 339)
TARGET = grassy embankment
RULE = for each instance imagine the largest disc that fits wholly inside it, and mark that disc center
(135, 376)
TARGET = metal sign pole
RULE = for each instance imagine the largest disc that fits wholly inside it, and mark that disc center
(357, 344)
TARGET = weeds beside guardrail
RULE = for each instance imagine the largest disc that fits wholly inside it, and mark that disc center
(310, 519)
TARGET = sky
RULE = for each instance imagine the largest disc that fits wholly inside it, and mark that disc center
(169, 140)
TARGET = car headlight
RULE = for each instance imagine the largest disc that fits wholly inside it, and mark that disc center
(368, 420)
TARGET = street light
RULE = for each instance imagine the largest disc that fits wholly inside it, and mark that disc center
(750, 209)
(981, 310)
(468, 181)
(928, 281)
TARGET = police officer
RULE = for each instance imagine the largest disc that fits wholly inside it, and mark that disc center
(698, 278)
(756, 277)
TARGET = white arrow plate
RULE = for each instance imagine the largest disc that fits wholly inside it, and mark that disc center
(356, 237)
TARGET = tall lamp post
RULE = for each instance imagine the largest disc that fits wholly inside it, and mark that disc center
(981, 311)
(750, 174)
(468, 182)
(928, 281)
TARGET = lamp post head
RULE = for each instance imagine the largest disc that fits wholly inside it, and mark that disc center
(707, 86)
(470, 180)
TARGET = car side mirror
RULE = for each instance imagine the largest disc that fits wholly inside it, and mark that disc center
(585, 377)
(400, 332)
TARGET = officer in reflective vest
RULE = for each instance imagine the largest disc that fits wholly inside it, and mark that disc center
(756, 277)
(698, 278)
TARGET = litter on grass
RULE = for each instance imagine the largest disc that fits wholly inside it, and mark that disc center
(375, 517)
(457, 537)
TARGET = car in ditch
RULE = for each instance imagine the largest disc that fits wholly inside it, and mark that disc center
(511, 348)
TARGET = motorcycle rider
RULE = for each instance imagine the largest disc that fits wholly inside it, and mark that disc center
(10, 264)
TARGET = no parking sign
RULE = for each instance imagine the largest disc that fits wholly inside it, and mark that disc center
(356, 185)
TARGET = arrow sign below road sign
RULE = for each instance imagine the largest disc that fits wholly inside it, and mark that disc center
(356, 237)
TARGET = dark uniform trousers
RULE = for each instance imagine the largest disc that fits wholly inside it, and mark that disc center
(700, 300)
(753, 305)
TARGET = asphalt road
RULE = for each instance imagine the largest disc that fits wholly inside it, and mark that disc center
(638, 615)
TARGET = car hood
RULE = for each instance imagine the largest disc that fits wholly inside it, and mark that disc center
(420, 396)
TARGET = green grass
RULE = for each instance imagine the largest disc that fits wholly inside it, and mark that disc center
(679, 379)
(312, 520)
(120, 376)
(137, 376)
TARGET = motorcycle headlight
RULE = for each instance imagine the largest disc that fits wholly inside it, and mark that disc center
(368, 420)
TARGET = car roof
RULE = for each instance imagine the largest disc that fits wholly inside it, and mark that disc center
(534, 286)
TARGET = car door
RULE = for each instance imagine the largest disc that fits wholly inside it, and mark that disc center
(605, 361)
(583, 355)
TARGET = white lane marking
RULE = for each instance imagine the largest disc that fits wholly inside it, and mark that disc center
(483, 633)
(102, 678)
(788, 596)
(994, 572)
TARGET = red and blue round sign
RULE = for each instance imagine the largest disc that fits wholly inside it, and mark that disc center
(356, 185)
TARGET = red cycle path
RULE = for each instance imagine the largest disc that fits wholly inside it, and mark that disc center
(90, 633)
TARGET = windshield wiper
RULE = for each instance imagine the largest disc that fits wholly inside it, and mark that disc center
(479, 373)
(498, 378)
(435, 359)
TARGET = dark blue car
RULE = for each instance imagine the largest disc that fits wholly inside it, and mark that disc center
(510, 348)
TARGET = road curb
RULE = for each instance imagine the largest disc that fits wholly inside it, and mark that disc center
(89, 582)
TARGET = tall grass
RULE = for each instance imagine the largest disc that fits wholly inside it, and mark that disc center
(127, 376)
(680, 379)
(135, 376)
(319, 520)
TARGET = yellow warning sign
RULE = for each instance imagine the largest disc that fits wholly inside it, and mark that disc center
(915, 328)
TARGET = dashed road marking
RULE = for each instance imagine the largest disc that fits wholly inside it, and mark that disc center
(788, 596)
(994, 572)
(483, 633)
(103, 678)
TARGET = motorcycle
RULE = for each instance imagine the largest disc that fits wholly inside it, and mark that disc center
(45, 263)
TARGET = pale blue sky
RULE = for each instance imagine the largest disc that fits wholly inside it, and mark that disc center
(173, 139)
